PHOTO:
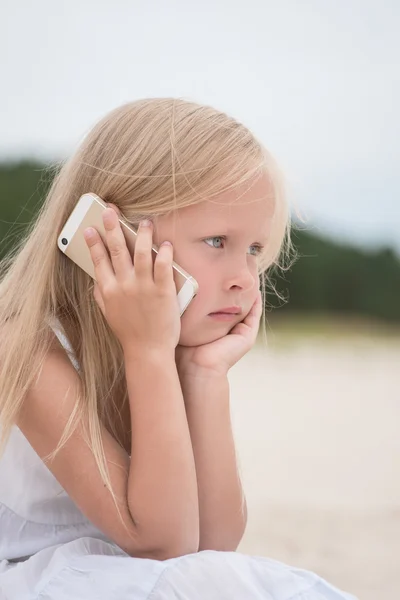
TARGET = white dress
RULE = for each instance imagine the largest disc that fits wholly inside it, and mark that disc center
(50, 551)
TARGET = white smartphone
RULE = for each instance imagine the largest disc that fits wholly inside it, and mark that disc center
(88, 213)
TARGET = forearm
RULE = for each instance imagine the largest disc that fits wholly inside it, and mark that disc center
(162, 486)
(222, 506)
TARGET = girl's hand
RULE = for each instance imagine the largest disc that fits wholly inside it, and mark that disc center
(219, 356)
(137, 299)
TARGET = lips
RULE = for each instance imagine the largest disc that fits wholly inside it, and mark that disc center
(229, 310)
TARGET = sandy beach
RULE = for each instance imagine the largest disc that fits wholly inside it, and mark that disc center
(317, 431)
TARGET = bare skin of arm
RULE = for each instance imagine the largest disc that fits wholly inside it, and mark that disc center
(156, 489)
(222, 505)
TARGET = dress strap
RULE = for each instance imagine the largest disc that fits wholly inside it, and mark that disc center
(64, 341)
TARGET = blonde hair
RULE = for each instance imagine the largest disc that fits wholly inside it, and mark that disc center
(147, 157)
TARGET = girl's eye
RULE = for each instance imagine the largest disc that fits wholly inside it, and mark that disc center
(219, 239)
(257, 250)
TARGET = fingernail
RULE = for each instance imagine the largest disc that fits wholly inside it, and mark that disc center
(166, 244)
(89, 233)
(108, 213)
(145, 223)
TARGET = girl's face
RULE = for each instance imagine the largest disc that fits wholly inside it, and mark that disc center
(217, 242)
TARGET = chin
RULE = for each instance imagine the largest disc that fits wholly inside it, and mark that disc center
(197, 337)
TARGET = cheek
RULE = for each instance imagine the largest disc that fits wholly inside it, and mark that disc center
(201, 269)
(202, 303)
(206, 285)
(195, 328)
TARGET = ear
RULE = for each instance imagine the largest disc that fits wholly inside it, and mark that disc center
(115, 208)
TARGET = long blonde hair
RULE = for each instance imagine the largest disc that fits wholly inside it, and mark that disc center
(147, 157)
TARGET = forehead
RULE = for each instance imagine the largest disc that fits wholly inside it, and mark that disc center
(248, 206)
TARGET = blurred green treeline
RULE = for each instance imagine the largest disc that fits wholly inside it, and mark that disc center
(327, 277)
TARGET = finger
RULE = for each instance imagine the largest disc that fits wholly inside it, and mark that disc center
(258, 304)
(114, 207)
(255, 311)
(142, 258)
(249, 327)
(120, 258)
(163, 271)
(102, 266)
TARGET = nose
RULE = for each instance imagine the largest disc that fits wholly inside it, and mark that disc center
(240, 276)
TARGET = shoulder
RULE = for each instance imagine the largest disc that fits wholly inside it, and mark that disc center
(56, 362)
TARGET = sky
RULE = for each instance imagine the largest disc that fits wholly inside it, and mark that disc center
(318, 83)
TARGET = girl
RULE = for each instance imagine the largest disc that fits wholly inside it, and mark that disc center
(118, 476)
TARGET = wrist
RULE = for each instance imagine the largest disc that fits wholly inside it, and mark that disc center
(201, 378)
(144, 353)
(203, 387)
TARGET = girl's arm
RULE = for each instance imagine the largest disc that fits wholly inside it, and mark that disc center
(222, 506)
(156, 489)
(162, 490)
(203, 374)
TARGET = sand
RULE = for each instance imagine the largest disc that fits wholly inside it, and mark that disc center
(317, 427)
